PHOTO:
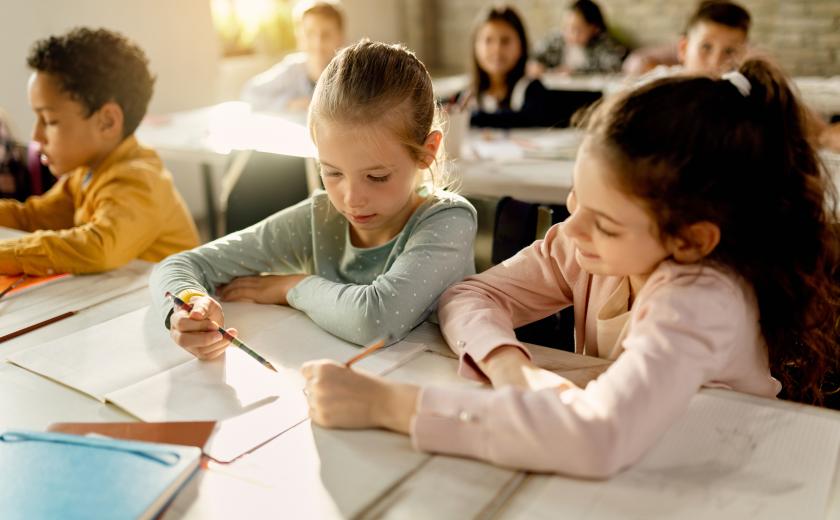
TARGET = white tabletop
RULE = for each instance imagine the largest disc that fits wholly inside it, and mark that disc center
(220, 129)
(311, 472)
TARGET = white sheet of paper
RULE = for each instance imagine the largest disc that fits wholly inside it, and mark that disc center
(211, 390)
(288, 339)
(69, 294)
(106, 357)
(132, 362)
(726, 458)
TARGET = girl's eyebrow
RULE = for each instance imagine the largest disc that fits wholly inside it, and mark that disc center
(376, 167)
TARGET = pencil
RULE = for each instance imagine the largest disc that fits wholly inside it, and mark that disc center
(14, 284)
(227, 335)
(36, 326)
(368, 350)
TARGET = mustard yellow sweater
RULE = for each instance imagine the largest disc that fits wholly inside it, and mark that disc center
(125, 209)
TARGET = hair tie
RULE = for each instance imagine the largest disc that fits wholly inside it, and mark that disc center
(739, 81)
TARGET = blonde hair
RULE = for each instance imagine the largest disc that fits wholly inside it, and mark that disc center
(326, 8)
(373, 83)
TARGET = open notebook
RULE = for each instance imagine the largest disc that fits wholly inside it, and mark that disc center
(132, 362)
(56, 475)
(68, 295)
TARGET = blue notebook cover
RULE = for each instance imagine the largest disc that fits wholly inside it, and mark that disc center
(57, 475)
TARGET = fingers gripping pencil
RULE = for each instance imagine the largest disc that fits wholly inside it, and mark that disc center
(181, 304)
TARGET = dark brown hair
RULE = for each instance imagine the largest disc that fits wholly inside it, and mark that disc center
(591, 14)
(697, 149)
(720, 12)
(504, 14)
(95, 66)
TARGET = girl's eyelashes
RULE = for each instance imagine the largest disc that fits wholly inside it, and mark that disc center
(603, 231)
(379, 178)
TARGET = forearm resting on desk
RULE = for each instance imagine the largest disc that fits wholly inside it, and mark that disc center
(509, 366)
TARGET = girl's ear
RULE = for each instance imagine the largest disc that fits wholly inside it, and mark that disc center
(430, 147)
(695, 242)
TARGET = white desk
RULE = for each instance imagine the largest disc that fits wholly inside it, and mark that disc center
(534, 165)
(310, 472)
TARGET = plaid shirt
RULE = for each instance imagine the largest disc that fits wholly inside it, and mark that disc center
(603, 53)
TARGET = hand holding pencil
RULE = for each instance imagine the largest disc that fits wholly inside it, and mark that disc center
(340, 397)
(197, 329)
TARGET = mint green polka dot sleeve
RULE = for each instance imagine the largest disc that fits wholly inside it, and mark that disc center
(356, 294)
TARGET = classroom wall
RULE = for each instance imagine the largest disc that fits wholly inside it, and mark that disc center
(177, 36)
(804, 35)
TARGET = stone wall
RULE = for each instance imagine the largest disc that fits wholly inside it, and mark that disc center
(803, 35)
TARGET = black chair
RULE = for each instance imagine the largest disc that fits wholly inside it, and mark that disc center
(259, 184)
(507, 225)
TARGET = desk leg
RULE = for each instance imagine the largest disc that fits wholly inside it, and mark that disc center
(210, 199)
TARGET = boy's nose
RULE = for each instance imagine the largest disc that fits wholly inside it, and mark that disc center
(38, 134)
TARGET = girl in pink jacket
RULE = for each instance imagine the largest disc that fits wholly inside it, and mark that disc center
(699, 253)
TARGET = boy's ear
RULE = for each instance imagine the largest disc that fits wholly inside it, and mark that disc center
(431, 146)
(695, 242)
(110, 119)
(682, 47)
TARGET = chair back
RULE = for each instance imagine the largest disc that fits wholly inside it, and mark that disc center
(259, 184)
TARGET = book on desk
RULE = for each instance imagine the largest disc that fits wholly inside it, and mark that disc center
(56, 475)
(131, 362)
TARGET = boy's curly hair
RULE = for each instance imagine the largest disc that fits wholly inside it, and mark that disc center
(96, 66)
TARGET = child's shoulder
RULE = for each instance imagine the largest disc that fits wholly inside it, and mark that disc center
(702, 284)
(442, 200)
(135, 160)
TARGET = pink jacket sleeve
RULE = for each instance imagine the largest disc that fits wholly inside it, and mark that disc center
(479, 314)
(682, 333)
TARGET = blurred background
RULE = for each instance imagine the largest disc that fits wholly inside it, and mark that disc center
(204, 50)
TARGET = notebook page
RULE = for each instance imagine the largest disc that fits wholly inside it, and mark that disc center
(107, 356)
(726, 458)
(235, 383)
(71, 294)
(213, 390)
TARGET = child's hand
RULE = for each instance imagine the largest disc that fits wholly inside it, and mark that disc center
(343, 398)
(194, 330)
(260, 289)
(508, 366)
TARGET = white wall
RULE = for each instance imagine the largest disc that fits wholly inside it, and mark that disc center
(177, 36)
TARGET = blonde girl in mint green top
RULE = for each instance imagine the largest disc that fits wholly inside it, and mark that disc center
(369, 256)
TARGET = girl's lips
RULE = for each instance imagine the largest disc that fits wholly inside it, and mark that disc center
(44, 159)
(361, 219)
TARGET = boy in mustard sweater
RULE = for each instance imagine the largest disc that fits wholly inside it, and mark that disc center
(114, 200)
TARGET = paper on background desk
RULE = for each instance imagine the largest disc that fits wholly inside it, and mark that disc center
(18, 311)
(558, 144)
(131, 362)
(730, 456)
